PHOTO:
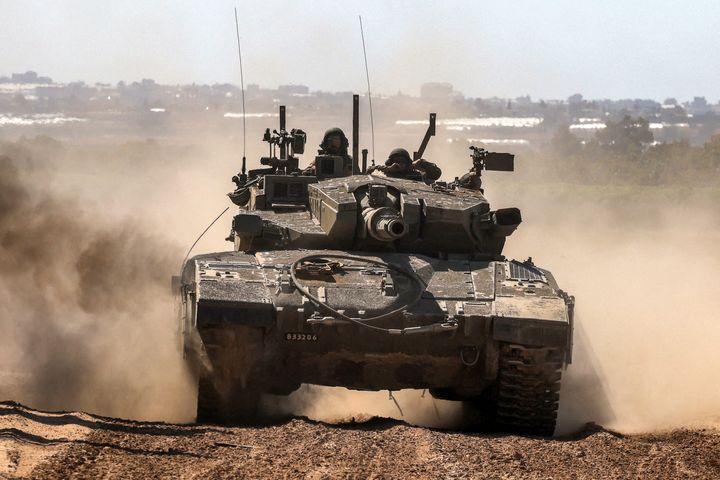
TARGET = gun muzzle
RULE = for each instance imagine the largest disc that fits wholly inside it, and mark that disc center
(384, 223)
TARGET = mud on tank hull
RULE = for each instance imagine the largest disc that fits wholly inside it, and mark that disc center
(493, 334)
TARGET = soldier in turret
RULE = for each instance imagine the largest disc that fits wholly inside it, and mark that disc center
(334, 143)
(400, 165)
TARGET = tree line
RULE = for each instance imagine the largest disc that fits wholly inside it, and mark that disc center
(625, 153)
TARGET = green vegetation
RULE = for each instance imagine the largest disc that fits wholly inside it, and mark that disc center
(624, 154)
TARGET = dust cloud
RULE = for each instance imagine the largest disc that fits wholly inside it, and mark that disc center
(85, 307)
(645, 355)
(340, 405)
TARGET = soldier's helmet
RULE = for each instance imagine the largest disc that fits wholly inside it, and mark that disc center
(334, 142)
(399, 155)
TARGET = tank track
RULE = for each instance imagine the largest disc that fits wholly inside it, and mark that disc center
(528, 389)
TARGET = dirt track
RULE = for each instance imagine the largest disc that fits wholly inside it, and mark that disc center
(77, 445)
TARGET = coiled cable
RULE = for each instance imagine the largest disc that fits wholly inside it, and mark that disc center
(365, 322)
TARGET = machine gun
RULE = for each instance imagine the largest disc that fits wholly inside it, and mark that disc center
(289, 144)
(483, 160)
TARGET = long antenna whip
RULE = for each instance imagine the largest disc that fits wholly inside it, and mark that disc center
(367, 75)
(242, 86)
(202, 234)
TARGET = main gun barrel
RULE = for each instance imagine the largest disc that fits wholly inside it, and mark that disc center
(384, 223)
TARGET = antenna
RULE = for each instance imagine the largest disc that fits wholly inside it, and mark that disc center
(367, 75)
(201, 235)
(242, 88)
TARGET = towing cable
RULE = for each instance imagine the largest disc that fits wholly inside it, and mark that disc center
(336, 315)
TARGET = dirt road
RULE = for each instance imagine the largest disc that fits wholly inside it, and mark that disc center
(37, 444)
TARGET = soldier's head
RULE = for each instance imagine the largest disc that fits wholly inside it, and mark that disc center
(334, 142)
(400, 156)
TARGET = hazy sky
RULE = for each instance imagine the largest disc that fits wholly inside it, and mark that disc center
(547, 49)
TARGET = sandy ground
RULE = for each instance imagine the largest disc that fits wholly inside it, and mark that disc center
(36, 444)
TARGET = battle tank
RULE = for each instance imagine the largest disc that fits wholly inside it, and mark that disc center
(341, 278)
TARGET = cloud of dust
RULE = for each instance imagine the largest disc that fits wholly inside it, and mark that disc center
(85, 307)
(340, 405)
(645, 355)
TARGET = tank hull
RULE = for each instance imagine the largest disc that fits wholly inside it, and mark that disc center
(249, 325)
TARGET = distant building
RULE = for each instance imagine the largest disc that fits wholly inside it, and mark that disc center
(436, 90)
(293, 90)
(523, 101)
(576, 99)
(699, 106)
(27, 77)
